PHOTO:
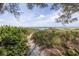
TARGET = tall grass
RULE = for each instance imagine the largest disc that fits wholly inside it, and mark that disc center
(58, 38)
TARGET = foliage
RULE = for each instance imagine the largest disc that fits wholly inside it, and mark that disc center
(59, 38)
(72, 52)
(47, 38)
(12, 41)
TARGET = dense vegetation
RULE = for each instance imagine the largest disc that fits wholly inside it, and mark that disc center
(66, 40)
(13, 41)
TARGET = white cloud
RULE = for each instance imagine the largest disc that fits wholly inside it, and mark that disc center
(47, 18)
(42, 16)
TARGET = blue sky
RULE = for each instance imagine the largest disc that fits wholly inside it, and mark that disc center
(35, 18)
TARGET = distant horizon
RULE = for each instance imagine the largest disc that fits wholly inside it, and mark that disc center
(39, 26)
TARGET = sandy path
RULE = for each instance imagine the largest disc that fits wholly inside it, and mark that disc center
(34, 49)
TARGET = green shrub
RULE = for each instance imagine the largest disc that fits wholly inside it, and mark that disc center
(12, 41)
(43, 38)
(71, 52)
(47, 38)
(57, 41)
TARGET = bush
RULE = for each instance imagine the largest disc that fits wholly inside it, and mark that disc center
(71, 52)
(57, 41)
(42, 38)
(47, 38)
(12, 41)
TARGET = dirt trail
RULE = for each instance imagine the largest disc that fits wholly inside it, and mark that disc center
(34, 50)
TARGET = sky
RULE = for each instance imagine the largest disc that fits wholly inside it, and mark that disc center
(35, 18)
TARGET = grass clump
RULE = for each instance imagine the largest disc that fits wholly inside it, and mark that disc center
(72, 52)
